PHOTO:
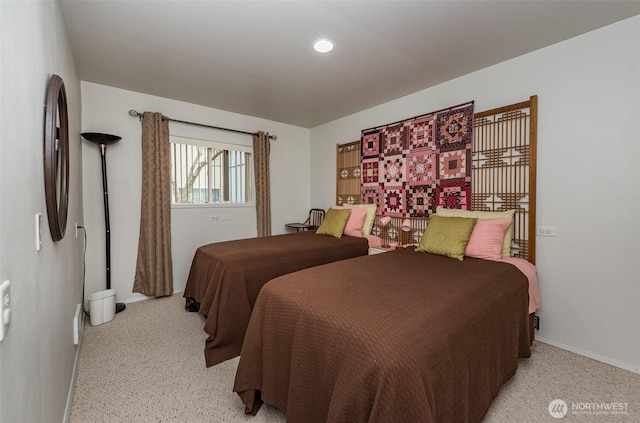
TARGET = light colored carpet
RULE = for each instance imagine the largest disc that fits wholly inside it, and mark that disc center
(147, 365)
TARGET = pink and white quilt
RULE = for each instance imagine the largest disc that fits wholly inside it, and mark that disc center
(412, 167)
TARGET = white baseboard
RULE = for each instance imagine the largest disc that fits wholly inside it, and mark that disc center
(597, 357)
(141, 297)
(72, 385)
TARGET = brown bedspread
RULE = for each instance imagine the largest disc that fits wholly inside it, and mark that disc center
(395, 337)
(225, 279)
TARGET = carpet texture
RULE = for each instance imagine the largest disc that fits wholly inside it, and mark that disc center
(147, 365)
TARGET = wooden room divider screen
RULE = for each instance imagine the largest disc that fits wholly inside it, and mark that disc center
(348, 173)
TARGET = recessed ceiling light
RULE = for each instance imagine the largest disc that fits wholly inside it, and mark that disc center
(323, 45)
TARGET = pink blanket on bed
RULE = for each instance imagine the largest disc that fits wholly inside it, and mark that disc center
(529, 270)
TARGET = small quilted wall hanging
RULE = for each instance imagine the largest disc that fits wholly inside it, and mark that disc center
(411, 167)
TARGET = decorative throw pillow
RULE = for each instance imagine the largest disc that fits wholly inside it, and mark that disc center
(447, 236)
(355, 222)
(508, 236)
(334, 222)
(371, 215)
(487, 238)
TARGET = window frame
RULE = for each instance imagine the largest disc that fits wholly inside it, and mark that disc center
(250, 178)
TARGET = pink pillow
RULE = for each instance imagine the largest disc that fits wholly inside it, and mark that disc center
(487, 238)
(355, 222)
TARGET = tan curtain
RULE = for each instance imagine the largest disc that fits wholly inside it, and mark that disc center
(154, 268)
(261, 148)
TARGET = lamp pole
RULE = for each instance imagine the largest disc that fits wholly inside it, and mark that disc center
(103, 140)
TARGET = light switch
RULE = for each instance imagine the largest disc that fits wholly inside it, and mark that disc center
(38, 231)
(5, 311)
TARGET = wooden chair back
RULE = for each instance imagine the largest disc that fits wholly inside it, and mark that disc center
(315, 218)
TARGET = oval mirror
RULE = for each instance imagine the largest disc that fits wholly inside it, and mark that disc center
(56, 157)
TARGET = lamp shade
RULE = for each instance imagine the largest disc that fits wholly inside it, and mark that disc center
(385, 220)
(98, 138)
(406, 225)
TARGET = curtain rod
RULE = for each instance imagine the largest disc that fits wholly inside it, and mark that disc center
(134, 113)
(419, 116)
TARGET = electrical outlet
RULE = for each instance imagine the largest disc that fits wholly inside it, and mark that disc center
(546, 231)
(536, 322)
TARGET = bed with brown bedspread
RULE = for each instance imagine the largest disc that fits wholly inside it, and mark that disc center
(226, 277)
(396, 337)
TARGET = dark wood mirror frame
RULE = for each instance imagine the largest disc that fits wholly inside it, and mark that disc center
(56, 157)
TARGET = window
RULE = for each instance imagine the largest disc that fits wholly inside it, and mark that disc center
(207, 172)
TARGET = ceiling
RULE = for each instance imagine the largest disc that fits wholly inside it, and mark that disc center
(256, 57)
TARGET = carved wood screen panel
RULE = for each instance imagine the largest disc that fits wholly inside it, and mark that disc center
(348, 173)
(503, 175)
(504, 169)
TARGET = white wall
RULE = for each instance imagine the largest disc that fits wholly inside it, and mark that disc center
(37, 356)
(588, 178)
(105, 109)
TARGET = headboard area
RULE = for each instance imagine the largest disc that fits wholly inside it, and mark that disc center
(503, 175)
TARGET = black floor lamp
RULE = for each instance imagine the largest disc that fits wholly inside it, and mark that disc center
(103, 140)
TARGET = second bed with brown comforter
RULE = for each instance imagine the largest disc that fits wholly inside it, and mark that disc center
(226, 277)
(397, 337)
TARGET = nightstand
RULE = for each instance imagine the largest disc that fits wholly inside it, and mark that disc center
(379, 250)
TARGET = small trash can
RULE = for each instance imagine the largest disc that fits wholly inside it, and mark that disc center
(102, 306)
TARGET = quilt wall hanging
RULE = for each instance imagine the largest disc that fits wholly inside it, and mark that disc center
(410, 167)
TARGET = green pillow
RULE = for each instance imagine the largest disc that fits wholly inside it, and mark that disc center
(447, 236)
(508, 236)
(334, 222)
